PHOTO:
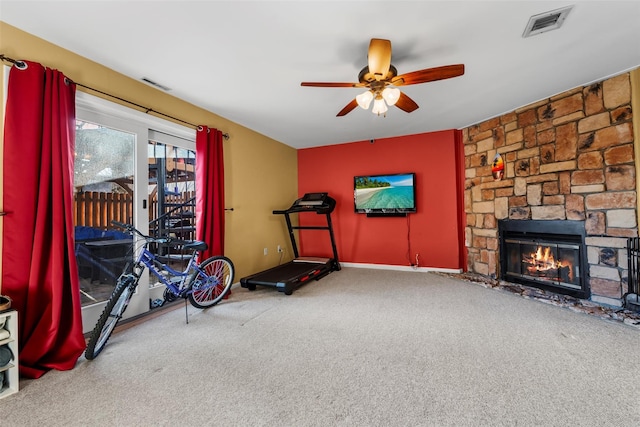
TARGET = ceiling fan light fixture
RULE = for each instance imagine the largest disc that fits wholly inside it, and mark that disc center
(379, 107)
(364, 99)
(391, 95)
(381, 79)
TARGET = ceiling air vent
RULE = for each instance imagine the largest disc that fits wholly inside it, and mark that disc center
(152, 83)
(547, 21)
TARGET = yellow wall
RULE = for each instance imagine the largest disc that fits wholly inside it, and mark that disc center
(260, 173)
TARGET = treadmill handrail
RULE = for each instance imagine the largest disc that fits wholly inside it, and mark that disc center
(319, 209)
(309, 227)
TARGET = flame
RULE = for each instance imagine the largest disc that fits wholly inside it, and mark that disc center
(542, 260)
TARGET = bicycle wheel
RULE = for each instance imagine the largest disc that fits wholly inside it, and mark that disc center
(212, 282)
(110, 316)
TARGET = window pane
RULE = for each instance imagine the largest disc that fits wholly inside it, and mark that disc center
(103, 180)
(171, 204)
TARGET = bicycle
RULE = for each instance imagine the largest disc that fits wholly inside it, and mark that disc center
(203, 284)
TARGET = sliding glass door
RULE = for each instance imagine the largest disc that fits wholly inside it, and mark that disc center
(121, 154)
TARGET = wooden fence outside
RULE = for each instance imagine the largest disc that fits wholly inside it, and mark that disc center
(95, 209)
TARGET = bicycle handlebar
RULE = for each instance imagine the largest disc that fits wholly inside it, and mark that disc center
(127, 227)
(166, 240)
(130, 228)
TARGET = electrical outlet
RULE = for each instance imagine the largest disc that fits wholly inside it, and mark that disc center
(279, 249)
(266, 251)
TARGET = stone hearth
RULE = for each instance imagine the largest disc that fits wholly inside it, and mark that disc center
(569, 157)
(628, 317)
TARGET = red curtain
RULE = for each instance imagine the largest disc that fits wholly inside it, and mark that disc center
(39, 269)
(210, 190)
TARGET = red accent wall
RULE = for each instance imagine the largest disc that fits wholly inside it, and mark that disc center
(435, 232)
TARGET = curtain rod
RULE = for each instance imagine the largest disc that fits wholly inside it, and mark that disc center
(146, 109)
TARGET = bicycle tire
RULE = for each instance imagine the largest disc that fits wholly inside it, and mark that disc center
(209, 290)
(112, 313)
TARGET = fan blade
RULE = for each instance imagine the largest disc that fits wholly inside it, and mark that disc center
(319, 84)
(406, 104)
(428, 75)
(346, 110)
(379, 58)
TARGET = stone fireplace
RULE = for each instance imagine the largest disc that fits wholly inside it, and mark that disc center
(568, 160)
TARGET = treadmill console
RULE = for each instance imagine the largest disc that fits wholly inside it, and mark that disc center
(320, 203)
(312, 199)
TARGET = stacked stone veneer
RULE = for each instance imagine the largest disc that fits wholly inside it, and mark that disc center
(569, 157)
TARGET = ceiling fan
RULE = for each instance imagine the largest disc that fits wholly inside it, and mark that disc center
(380, 78)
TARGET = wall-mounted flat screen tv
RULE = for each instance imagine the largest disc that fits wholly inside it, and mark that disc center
(378, 195)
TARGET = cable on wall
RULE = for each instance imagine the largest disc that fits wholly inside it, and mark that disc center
(415, 264)
(21, 64)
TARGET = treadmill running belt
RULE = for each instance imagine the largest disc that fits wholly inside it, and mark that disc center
(283, 273)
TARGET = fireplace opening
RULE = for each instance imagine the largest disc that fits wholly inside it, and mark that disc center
(544, 254)
(547, 262)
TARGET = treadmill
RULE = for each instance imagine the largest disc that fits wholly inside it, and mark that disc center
(286, 277)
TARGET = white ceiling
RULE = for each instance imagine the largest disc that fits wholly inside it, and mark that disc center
(245, 60)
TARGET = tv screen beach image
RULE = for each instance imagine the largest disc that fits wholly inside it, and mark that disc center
(384, 192)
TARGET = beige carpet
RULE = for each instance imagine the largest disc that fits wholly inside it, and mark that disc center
(357, 348)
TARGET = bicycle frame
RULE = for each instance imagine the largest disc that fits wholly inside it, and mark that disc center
(146, 259)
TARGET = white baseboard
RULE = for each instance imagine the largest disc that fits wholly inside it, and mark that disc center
(400, 267)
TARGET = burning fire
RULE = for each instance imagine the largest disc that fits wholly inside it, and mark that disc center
(542, 263)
